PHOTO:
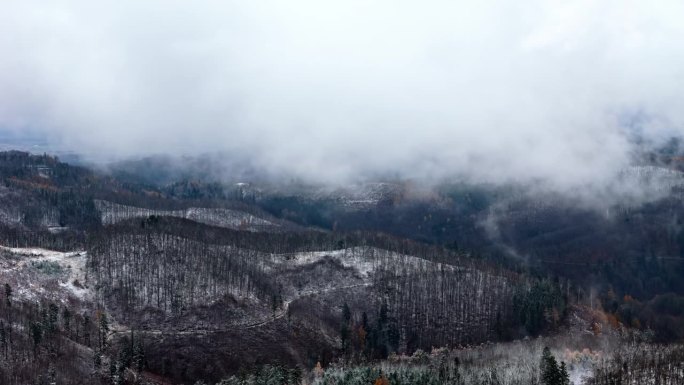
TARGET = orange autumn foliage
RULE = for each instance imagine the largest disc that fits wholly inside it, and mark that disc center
(612, 321)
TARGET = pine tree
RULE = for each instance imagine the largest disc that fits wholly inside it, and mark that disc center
(52, 315)
(115, 373)
(36, 330)
(346, 313)
(8, 302)
(344, 328)
(138, 356)
(564, 376)
(86, 329)
(8, 295)
(548, 368)
(3, 338)
(66, 320)
(103, 329)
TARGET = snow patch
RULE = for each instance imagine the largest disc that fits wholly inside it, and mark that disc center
(112, 213)
(72, 263)
(362, 259)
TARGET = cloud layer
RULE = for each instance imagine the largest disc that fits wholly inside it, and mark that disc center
(495, 91)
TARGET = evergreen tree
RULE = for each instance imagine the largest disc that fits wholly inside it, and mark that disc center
(3, 338)
(115, 373)
(138, 355)
(36, 330)
(548, 369)
(344, 328)
(564, 376)
(66, 320)
(8, 295)
(8, 302)
(346, 313)
(86, 329)
(103, 329)
(52, 315)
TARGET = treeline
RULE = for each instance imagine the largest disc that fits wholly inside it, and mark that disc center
(44, 343)
(647, 295)
(266, 374)
(442, 367)
(438, 367)
(629, 364)
(419, 307)
(637, 364)
(113, 213)
(538, 305)
(66, 240)
(297, 240)
(173, 274)
(174, 265)
(435, 304)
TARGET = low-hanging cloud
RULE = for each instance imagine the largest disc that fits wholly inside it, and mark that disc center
(493, 91)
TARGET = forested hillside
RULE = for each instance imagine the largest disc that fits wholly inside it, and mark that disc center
(135, 282)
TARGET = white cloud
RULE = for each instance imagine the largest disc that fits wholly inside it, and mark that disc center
(493, 90)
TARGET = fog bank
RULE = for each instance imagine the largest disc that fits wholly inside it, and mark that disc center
(550, 93)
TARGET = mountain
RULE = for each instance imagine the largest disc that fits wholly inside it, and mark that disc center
(116, 278)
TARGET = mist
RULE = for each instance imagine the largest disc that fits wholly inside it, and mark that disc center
(558, 94)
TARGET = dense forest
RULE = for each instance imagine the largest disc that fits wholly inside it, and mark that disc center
(121, 279)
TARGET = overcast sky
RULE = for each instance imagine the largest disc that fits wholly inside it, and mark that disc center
(527, 91)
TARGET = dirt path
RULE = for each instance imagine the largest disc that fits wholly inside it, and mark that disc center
(286, 304)
(74, 264)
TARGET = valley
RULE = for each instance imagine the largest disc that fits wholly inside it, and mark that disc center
(341, 192)
(149, 287)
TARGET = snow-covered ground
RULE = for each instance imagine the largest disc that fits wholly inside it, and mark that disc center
(113, 213)
(358, 258)
(362, 259)
(35, 271)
